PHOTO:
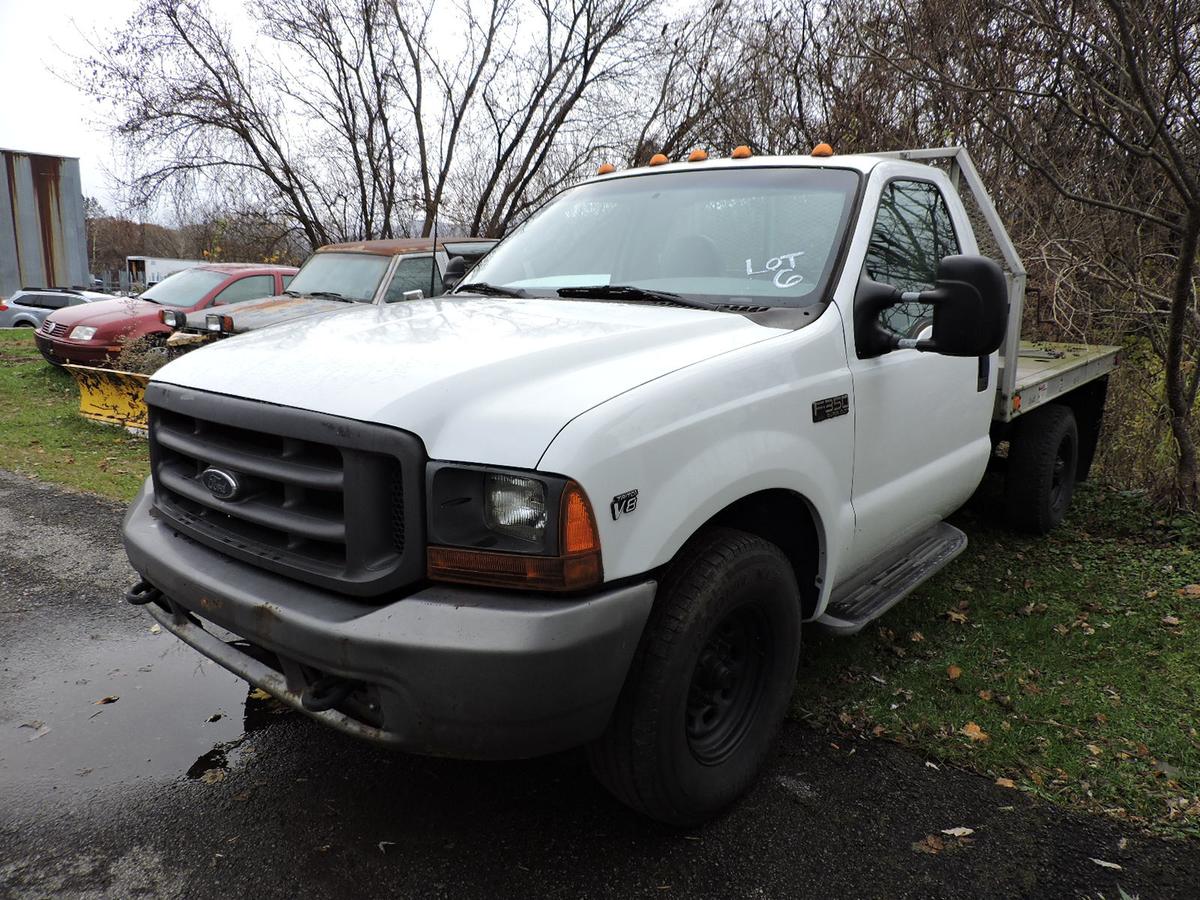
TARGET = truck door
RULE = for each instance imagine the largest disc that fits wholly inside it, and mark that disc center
(921, 420)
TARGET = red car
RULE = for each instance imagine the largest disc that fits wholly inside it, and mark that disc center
(94, 333)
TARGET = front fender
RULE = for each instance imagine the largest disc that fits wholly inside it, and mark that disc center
(695, 441)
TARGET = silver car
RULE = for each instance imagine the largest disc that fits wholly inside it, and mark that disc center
(29, 306)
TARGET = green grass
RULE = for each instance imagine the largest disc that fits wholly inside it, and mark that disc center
(1072, 663)
(43, 436)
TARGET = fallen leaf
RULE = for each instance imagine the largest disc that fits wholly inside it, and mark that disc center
(955, 616)
(1062, 629)
(974, 732)
(215, 717)
(1191, 590)
(953, 672)
(1095, 750)
(1106, 864)
(1006, 782)
(958, 832)
(931, 844)
(259, 694)
(39, 728)
(1170, 621)
(1150, 595)
(104, 701)
(156, 628)
(985, 696)
(212, 776)
(916, 637)
(383, 844)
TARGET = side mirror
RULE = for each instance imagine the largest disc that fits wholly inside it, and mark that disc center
(970, 311)
(456, 268)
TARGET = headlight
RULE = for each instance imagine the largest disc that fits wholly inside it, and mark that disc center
(173, 318)
(510, 529)
(515, 506)
(82, 333)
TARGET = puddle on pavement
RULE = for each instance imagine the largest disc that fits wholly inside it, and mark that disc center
(177, 713)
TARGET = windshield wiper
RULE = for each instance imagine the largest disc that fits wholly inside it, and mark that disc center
(632, 294)
(332, 295)
(292, 293)
(489, 290)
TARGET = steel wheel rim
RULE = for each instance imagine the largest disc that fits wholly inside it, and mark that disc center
(727, 685)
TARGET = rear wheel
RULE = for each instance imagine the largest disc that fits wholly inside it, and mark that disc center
(1043, 458)
(709, 684)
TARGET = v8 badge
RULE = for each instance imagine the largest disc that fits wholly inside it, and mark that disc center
(623, 504)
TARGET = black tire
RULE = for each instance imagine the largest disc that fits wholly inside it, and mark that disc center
(709, 684)
(1043, 458)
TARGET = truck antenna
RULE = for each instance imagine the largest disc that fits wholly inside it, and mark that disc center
(433, 255)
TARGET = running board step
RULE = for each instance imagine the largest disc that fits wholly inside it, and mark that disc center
(869, 596)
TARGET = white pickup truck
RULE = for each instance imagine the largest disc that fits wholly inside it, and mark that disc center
(590, 497)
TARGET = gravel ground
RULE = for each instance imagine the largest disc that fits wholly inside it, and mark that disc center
(185, 785)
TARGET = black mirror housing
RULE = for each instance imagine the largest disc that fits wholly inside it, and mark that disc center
(970, 311)
(970, 307)
(456, 268)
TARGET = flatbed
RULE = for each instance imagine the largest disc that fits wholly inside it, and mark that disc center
(1047, 371)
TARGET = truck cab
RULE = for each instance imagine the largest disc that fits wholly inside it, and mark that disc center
(593, 495)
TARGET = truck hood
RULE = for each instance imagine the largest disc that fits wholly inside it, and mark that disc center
(253, 314)
(478, 379)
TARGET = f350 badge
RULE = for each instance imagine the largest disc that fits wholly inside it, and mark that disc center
(623, 504)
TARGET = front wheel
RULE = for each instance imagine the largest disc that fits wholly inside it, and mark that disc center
(709, 684)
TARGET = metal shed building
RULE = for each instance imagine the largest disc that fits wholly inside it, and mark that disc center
(42, 239)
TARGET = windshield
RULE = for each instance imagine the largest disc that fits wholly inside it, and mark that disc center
(184, 288)
(354, 276)
(764, 236)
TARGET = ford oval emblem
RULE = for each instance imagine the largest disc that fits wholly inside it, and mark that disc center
(221, 484)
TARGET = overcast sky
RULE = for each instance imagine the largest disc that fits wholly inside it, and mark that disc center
(39, 113)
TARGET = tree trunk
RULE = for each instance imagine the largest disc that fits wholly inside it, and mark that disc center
(1186, 491)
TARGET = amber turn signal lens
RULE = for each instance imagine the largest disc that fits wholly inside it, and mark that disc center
(822, 150)
(741, 152)
(658, 159)
(697, 155)
(606, 169)
(578, 526)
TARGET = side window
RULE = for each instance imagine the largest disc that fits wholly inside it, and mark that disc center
(913, 231)
(251, 288)
(414, 273)
(287, 280)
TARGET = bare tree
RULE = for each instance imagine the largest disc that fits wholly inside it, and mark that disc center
(1098, 100)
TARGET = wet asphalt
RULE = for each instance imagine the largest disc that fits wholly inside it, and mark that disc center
(186, 785)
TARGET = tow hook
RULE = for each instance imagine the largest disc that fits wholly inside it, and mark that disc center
(326, 693)
(141, 593)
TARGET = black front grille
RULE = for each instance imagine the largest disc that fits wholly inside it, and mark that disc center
(326, 500)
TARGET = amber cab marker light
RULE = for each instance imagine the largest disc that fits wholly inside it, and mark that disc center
(658, 159)
(741, 152)
(606, 169)
(697, 155)
(822, 150)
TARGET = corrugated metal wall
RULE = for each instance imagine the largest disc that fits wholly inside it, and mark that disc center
(42, 239)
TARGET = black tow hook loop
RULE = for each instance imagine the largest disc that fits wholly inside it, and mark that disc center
(142, 593)
(326, 693)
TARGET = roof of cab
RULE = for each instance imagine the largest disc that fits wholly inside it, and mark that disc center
(399, 246)
(860, 162)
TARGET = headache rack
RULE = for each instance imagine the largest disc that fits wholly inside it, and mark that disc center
(1031, 374)
(329, 501)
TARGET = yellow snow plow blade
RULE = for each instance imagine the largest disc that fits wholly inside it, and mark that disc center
(111, 396)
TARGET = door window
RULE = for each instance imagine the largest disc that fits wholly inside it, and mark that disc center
(414, 273)
(913, 231)
(251, 288)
